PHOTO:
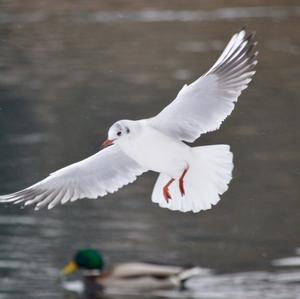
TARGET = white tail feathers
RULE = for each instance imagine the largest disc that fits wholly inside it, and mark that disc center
(207, 178)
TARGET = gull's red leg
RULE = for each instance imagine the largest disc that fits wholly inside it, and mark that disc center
(181, 182)
(166, 192)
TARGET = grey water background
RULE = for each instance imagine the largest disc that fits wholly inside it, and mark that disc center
(69, 69)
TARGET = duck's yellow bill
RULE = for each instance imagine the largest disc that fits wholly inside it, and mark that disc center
(70, 268)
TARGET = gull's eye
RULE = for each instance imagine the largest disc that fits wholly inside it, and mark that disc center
(119, 133)
(127, 130)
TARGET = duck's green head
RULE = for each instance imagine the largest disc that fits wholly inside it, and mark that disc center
(86, 259)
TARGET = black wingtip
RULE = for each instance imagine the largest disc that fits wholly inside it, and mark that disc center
(244, 28)
(250, 36)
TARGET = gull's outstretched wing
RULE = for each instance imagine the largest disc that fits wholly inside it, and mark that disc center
(105, 172)
(203, 105)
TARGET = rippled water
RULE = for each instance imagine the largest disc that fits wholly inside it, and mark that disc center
(70, 69)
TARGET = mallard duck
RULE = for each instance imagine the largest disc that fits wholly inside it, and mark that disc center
(135, 276)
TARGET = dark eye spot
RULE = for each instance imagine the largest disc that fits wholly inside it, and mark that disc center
(127, 130)
(119, 133)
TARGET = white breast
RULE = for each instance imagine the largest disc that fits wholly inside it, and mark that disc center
(158, 152)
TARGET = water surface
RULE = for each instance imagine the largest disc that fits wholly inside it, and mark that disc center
(69, 70)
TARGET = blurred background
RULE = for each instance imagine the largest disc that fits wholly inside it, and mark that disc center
(69, 69)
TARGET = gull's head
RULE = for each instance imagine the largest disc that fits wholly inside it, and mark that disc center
(120, 130)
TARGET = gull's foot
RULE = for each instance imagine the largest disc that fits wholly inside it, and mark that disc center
(181, 187)
(166, 192)
(181, 182)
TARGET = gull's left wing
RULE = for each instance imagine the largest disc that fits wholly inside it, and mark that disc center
(104, 172)
(203, 105)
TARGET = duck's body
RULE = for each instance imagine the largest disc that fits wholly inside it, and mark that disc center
(140, 276)
(134, 276)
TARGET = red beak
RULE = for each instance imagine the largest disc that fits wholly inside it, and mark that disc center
(107, 143)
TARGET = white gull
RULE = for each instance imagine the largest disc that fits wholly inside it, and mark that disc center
(190, 178)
